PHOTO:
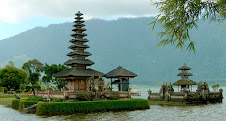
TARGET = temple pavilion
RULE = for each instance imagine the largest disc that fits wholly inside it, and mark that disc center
(120, 77)
(76, 77)
(184, 82)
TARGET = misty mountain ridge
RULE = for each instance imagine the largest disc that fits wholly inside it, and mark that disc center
(126, 42)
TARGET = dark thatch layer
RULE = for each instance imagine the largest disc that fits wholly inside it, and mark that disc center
(184, 67)
(79, 29)
(79, 53)
(73, 72)
(77, 61)
(78, 46)
(80, 34)
(78, 14)
(79, 40)
(184, 74)
(78, 17)
(79, 25)
(120, 72)
(185, 82)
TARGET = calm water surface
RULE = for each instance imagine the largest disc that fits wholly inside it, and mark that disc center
(210, 112)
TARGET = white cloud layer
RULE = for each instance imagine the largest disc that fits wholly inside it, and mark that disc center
(14, 11)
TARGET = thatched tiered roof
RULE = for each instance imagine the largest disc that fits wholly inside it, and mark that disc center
(78, 62)
(120, 73)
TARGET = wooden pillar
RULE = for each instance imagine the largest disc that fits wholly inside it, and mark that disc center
(85, 85)
(111, 84)
(73, 83)
(120, 85)
(78, 85)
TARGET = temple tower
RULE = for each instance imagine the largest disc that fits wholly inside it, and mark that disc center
(184, 82)
(77, 75)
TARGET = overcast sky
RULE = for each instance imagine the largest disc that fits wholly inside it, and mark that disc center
(19, 15)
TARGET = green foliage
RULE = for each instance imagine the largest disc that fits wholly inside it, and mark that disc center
(10, 63)
(215, 87)
(90, 106)
(114, 96)
(11, 76)
(25, 103)
(50, 70)
(33, 68)
(18, 91)
(28, 88)
(178, 17)
(56, 100)
(83, 96)
(5, 89)
(15, 103)
(35, 98)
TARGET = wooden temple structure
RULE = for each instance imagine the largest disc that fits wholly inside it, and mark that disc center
(185, 82)
(80, 79)
(120, 76)
(76, 77)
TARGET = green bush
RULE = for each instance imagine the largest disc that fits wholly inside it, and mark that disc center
(25, 103)
(55, 108)
(35, 98)
(18, 91)
(114, 96)
(83, 96)
(15, 103)
(28, 88)
(5, 89)
(56, 100)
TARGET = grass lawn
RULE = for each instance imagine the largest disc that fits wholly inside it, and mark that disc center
(8, 100)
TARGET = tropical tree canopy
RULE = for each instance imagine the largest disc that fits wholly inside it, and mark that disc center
(12, 77)
(49, 70)
(33, 69)
(177, 17)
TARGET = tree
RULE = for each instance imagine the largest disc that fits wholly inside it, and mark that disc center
(178, 17)
(215, 87)
(49, 70)
(10, 63)
(33, 69)
(12, 77)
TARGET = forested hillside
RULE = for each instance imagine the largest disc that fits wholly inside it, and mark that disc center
(126, 42)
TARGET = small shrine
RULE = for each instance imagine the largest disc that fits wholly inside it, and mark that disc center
(120, 76)
(76, 77)
(184, 82)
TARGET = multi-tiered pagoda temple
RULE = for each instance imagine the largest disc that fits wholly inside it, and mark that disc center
(77, 75)
(184, 82)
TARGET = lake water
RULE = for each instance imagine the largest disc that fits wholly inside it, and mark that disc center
(210, 112)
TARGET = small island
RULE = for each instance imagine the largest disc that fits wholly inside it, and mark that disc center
(85, 90)
(185, 96)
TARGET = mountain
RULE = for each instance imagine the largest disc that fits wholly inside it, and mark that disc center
(126, 42)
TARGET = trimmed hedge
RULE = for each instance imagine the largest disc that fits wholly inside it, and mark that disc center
(55, 108)
(15, 103)
(25, 103)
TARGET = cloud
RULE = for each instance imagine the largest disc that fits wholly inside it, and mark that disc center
(14, 11)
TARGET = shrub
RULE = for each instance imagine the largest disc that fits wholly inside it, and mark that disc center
(5, 89)
(83, 96)
(114, 97)
(25, 103)
(35, 98)
(54, 108)
(18, 91)
(15, 103)
(57, 100)
(28, 88)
